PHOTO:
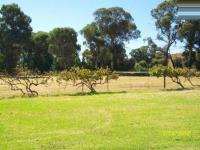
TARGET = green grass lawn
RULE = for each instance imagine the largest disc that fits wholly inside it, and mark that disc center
(138, 119)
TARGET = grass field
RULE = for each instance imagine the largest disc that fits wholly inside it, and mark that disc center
(132, 116)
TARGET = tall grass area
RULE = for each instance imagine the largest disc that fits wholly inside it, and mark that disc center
(132, 116)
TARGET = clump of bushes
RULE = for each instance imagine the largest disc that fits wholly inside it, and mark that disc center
(141, 66)
(87, 78)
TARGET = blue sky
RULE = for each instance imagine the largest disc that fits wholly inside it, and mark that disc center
(48, 14)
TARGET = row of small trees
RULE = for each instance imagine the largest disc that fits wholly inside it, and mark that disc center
(26, 81)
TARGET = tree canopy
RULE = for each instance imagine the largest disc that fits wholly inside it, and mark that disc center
(105, 40)
(15, 32)
(189, 32)
(39, 57)
(166, 24)
(112, 27)
(63, 46)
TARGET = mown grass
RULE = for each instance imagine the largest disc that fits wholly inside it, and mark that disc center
(137, 119)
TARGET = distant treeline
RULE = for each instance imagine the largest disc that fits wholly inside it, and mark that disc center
(105, 39)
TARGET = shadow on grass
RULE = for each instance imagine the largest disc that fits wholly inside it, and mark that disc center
(57, 95)
(97, 93)
(178, 89)
(88, 94)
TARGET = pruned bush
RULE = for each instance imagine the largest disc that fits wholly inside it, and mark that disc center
(174, 74)
(188, 74)
(87, 78)
(24, 81)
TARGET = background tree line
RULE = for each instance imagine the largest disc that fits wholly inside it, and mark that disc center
(105, 39)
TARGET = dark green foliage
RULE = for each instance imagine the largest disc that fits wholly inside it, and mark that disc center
(87, 59)
(1, 62)
(197, 62)
(117, 27)
(141, 66)
(187, 1)
(178, 62)
(95, 55)
(166, 24)
(106, 37)
(139, 54)
(158, 59)
(63, 46)
(146, 56)
(189, 33)
(15, 33)
(142, 58)
(127, 65)
(194, 57)
(38, 58)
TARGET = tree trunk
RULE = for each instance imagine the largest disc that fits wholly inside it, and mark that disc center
(172, 61)
(112, 48)
(178, 81)
(112, 62)
(164, 81)
(82, 87)
(107, 82)
(92, 89)
(190, 58)
(181, 85)
(166, 54)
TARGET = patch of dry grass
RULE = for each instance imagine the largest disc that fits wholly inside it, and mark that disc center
(122, 84)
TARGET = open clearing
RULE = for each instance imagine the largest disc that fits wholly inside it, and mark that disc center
(129, 117)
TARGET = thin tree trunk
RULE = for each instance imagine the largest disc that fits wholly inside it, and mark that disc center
(107, 82)
(92, 89)
(112, 53)
(172, 61)
(190, 57)
(164, 81)
(166, 64)
(112, 62)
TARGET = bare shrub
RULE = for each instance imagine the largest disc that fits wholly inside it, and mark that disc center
(25, 81)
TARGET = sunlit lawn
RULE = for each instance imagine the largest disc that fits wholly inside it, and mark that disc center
(125, 119)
